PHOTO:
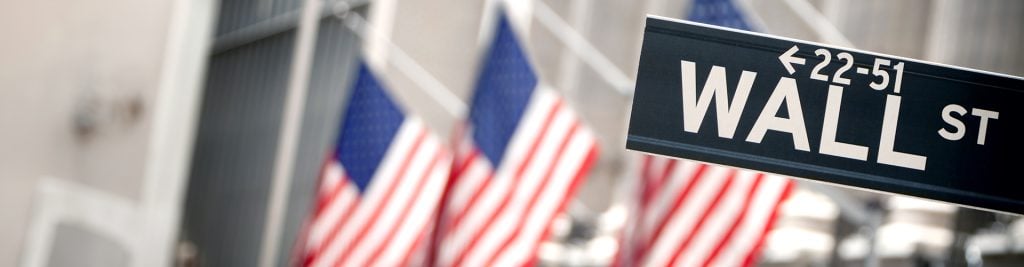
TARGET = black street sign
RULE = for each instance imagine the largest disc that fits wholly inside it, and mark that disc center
(830, 114)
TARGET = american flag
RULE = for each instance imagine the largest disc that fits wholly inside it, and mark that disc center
(694, 214)
(687, 213)
(517, 162)
(381, 187)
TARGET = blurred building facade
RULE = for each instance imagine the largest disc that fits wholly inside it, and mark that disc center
(97, 111)
(131, 90)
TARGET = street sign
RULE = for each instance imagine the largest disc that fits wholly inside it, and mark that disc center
(830, 114)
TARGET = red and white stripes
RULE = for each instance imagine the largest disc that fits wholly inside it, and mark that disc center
(389, 223)
(498, 215)
(694, 214)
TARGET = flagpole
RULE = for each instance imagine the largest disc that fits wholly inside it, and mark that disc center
(454, 105)
(403, 62)
(579, 45)
(291, 122)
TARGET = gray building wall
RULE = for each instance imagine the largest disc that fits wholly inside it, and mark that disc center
(239, 121)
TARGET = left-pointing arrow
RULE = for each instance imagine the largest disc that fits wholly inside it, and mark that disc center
(788, 59)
